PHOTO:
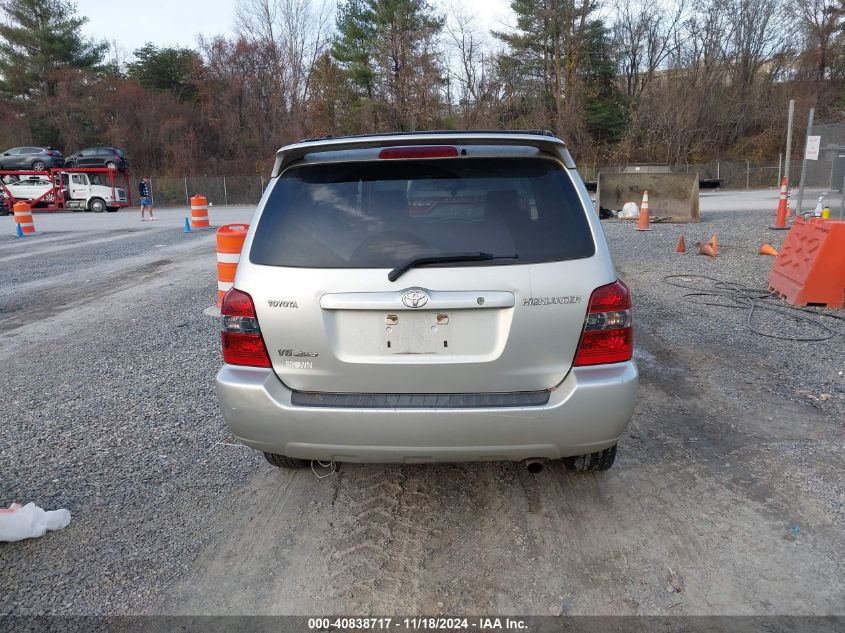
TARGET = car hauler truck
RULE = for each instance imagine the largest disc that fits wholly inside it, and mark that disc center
(92, 189)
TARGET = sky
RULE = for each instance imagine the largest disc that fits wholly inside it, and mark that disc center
(178, 22)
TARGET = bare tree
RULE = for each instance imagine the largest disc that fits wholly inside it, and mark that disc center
(753, 38)
(304, 36)
(469, 64)
(818, 20)
(644, 34)
(293, 34)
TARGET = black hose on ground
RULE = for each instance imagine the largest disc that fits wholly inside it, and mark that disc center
(733, 295)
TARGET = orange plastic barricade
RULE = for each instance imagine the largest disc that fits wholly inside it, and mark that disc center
(230, 241)
(23, 218)
(810, 266)
(199, 212)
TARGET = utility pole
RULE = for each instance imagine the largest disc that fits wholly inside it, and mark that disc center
(842, 204)
(804, 160)
(789, 140)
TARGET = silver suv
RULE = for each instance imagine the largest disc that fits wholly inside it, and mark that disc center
(427, 297)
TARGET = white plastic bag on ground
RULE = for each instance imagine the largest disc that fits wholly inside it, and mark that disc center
(630, 211)
(19, 522)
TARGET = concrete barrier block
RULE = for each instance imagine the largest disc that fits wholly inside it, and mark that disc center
(670, 196)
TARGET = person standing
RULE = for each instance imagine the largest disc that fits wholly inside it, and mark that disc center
(145, 191)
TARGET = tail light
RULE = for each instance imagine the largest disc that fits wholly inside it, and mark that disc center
(425, 151)
(241, 336)
(608, 335)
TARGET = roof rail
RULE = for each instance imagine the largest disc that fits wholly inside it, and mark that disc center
(542, 140)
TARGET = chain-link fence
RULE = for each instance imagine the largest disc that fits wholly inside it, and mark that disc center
(716, 174)
(830, 166)
(827, 171)
(175, 191)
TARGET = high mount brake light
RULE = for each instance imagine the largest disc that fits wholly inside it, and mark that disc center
(608, 335)
(423, 151)
(241, 335)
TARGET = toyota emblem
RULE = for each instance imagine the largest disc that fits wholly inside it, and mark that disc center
(415, 298)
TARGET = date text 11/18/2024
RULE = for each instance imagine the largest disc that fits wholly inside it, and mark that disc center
(418, 624)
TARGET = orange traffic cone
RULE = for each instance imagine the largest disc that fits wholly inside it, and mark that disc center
(681, 247)
(767, 249)
(706, 249)
(714, 243)
(780, 222)
(642, 224)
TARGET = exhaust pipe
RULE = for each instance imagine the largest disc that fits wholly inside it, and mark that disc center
(534, 465)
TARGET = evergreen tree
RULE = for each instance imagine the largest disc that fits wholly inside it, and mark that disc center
(548, 44)
(355, 44)
(38, 39)
(386, 48)
(173, 69)
(605, 106)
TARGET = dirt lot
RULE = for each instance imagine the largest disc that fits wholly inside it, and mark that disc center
(726, 498)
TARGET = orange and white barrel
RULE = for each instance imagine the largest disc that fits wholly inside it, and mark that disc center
(199, 212)
(230, 241)
(23, 218)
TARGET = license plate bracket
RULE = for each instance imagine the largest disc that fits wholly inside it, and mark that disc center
(416, 333)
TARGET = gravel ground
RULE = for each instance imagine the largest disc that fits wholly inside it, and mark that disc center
(800, 371)
(113, 416)
(727, 496)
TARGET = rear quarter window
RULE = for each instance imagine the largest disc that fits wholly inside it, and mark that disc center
(378, 214)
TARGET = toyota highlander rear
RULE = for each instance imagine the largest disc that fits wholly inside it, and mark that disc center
(427, 297)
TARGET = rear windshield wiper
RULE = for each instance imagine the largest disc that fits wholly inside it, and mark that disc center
(401, 269)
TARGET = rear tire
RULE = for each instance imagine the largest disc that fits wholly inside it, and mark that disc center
(283, 461)
(38, 166)
(591, 462)
(111, 165)
(97, 205)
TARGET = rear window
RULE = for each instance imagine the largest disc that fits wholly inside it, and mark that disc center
(380, 214)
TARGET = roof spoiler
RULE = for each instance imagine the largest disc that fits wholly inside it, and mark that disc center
(542, 140)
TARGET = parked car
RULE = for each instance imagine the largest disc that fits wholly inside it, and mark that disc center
(34, 158)
(427, 297)
(110, 157)
(31, 189)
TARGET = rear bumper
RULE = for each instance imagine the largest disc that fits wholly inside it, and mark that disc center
(587, 412)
